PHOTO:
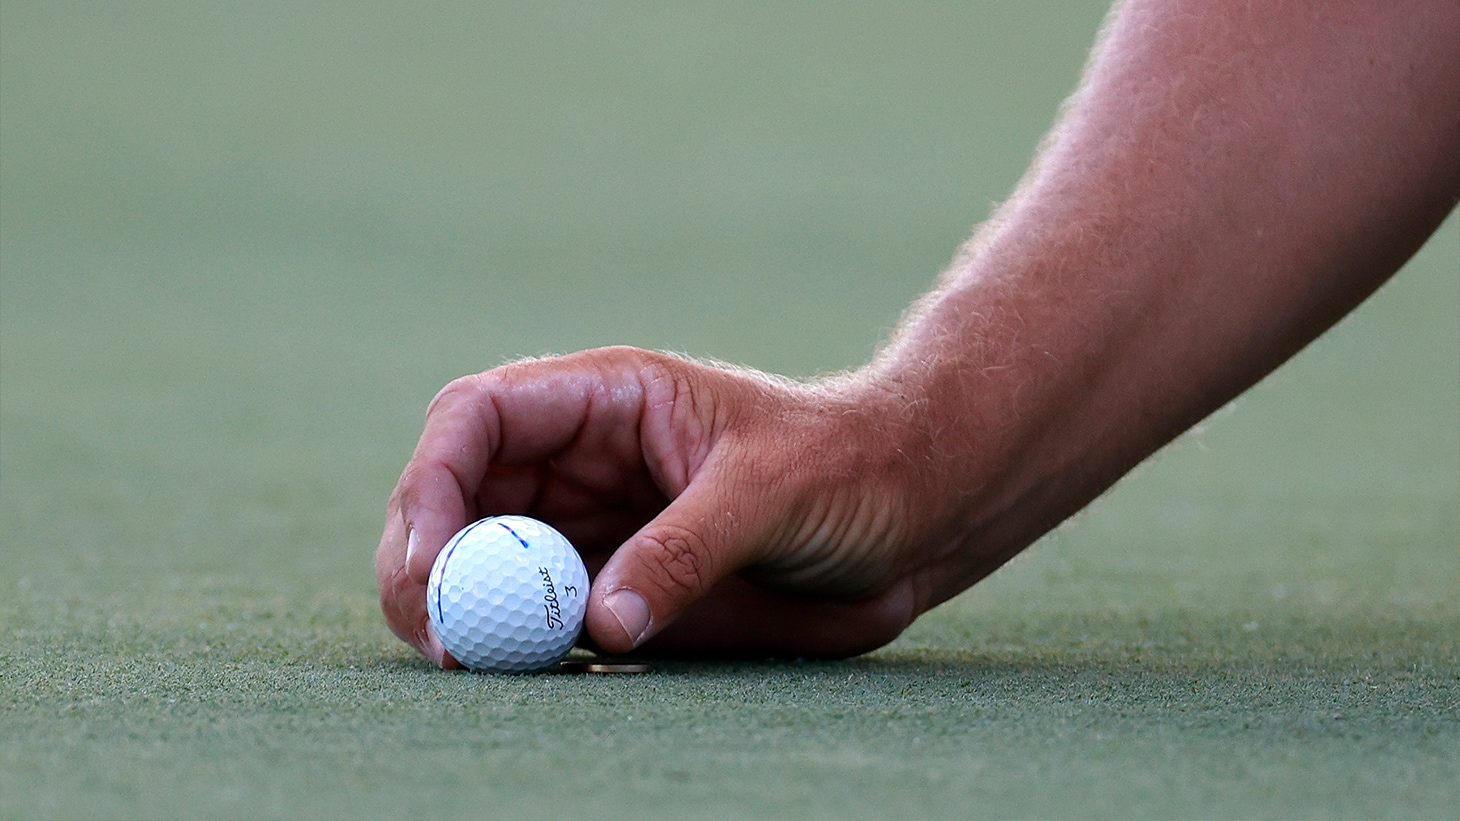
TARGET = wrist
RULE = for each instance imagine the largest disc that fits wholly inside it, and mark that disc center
(1011, 432)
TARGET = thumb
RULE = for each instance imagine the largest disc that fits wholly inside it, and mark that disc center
(701, 538)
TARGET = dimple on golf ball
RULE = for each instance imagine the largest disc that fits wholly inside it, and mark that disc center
(507, 595)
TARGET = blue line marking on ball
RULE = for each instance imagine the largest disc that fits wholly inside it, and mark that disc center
(520, 540)
(450, 549)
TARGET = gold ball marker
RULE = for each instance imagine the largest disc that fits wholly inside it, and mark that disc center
(602, 666)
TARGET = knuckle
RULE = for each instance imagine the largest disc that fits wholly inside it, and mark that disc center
(610, 362)
(408, 490)
(684, 560)
(620, 353)
(454, 391)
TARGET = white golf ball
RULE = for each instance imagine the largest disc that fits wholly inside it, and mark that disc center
(507, 595)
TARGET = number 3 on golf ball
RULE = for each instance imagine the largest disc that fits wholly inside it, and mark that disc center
(507, 595)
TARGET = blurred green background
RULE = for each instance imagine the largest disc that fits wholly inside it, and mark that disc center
(242, 245)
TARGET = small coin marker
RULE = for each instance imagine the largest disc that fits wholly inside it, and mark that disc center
(602, 666)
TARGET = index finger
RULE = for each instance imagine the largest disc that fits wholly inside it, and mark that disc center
(517, 414)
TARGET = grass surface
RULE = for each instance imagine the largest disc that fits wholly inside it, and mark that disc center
(241, 248)
(1171, 718)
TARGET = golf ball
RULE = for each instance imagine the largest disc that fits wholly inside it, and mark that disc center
(507, 595)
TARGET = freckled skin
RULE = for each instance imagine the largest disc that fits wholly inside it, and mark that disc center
(1228, 181)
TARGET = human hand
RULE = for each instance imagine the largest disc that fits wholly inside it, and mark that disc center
(1182, 233)
(720, 511)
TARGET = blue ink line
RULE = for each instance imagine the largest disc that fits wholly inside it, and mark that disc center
(520, 540)
(450, 549)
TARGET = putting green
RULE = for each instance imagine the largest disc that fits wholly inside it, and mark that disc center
(240, 248)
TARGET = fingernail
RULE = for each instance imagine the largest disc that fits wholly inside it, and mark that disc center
(412, 542)
(631, 611)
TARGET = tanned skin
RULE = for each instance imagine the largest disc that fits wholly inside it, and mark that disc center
(1228, 181)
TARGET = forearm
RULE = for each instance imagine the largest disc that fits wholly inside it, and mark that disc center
(1228, 182)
